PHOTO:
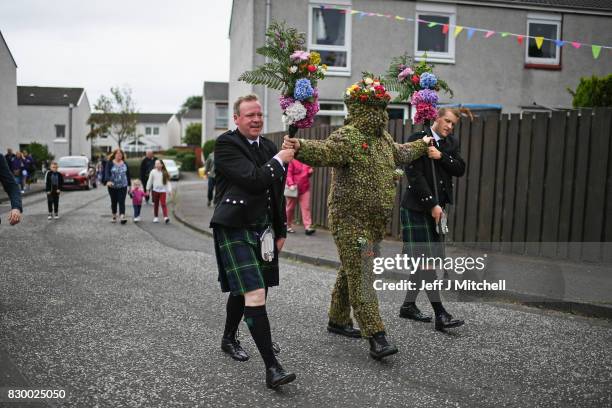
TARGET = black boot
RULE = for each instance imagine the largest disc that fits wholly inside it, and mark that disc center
(411, 311)
(445, 321)
(380, 347)
(230, 345)
(276, 375)
(344, 330)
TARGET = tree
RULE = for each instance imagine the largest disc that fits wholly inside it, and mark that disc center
(193, 102)
(40, 152)
(116, 116)
(592, 92)
(209, 146)
(193, 134)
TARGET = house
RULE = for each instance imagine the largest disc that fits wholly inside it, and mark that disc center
(8, 98)
(155, 131)
(56, 117)
(215, 110)
(488, 68)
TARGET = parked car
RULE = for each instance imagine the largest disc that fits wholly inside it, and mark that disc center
(78, 172)
(173, 169)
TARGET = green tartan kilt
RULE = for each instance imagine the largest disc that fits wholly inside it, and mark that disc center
(419, 235)
(241, 268)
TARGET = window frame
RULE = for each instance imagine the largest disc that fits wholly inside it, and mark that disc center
(404, 108)
(332, 71)
(218, 117)
(550, 19)
(156, 131)
(438, 10)
(148, 130)
(57, 127)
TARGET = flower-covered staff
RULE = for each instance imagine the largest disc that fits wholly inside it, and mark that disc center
(364, 158)
(291, 70)
(417, 84)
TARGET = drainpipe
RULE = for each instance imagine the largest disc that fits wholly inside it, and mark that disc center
(265, 95)
(70, 107)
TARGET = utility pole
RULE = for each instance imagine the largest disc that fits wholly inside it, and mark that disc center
(70, 107)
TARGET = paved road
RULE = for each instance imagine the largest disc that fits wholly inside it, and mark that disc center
(131, 316)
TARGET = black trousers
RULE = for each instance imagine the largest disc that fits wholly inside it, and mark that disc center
(117, 196)
(53, 202)
(211, 188)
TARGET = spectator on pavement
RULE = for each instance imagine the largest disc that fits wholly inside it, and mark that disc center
(54, 182)
(18, 168)
(159, 185)
(298, 183)
(30, 166)
(117, 176)
(9, 156)
(209, 170)
(147, 164)
(12, 190)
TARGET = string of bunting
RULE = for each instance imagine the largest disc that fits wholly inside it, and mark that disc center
(458, 29)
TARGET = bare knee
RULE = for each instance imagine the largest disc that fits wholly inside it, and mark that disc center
(255, 297)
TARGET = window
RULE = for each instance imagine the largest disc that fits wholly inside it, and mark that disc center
(430, 39)
(397, 112)
(156, 131)
(330, 35)
(330, 114)
(221, 120)
(60, 131)
(545, 26)
(147, 130)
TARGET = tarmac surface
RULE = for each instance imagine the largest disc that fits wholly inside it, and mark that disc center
(132, 315)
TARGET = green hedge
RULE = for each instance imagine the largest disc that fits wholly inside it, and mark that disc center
(208, 147)
(593, 92)
(170, 152)
(134, 166)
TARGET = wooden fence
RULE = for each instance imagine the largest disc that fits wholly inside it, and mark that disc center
(537, 184)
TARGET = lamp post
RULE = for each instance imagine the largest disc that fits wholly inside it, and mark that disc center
(70, 107)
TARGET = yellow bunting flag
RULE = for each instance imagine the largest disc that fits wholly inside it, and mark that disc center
(539, 42)
(399, 18)
(596, 50)
(458, 30)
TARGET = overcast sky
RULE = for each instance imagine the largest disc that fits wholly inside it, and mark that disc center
(163, 50)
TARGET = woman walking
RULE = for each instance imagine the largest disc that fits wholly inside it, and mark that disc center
(298, 184)
(18, 168)
(160, 186)
(117, 176)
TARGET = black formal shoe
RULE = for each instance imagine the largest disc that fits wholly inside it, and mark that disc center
(276, 376)
(347, 330)
(413, 312)
(231, 346)
(310, 231)
(445, 321)
(379, 347)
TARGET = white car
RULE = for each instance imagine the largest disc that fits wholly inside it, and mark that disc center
(173, 169)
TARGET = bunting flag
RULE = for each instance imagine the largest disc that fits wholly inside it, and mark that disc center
(457, 29)
(596, 49)
(539, 42)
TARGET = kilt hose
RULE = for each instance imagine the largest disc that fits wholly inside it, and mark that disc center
(419, 235)
(241, 268)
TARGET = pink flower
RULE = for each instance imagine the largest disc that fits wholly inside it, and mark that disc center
(425, 111)
(300, 55)
(405, 73)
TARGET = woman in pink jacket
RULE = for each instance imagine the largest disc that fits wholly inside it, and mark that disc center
(298, 177)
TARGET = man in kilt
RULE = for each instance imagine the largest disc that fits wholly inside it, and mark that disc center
(420, 212)
(249, 200)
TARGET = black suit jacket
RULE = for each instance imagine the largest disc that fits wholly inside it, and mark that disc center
(10, 186)
(243, 187)
(420, 196)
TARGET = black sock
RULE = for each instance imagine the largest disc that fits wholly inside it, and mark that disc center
(433, 294)
(257, 320)
(234, 310)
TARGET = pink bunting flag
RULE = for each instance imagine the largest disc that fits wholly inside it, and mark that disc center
(489, 34)
(576, 44)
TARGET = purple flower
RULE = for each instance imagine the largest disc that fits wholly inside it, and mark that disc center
(427, 96)
(406, 72)
(300, 55)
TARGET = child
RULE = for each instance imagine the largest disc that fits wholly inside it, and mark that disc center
(137, 194)
(159, 184)
(54, 182)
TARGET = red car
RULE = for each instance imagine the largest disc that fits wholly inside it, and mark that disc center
(77, 172)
